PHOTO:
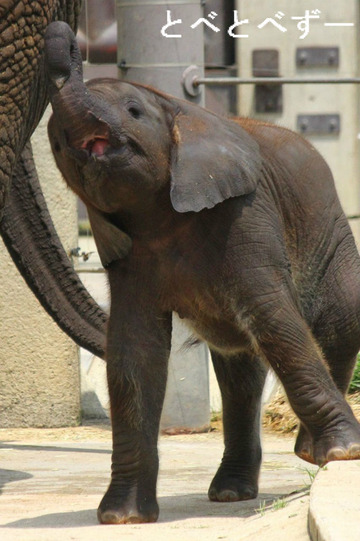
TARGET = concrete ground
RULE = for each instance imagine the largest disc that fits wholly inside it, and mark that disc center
(51, 483)
(53, 480)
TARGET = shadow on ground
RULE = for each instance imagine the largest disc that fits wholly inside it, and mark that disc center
(45, 447)
(172, 509)
(9, 476)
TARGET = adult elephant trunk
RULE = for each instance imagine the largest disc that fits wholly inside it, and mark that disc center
(44, 265)
(26, 227)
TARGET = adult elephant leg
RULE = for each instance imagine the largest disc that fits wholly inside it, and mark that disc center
(31, 239)
(241, 379)
(138, 348)
(288, 344)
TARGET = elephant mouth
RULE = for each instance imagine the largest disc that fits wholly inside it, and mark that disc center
(96, 146)
(97, 143)
(99, 149)
(91, 148)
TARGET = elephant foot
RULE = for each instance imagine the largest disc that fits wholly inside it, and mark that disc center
(230, 487)
(340, 443)
(304, 445)
(116, 509)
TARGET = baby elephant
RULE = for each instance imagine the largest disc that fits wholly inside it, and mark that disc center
(234, 225)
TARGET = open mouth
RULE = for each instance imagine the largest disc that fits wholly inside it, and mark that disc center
(96, 146)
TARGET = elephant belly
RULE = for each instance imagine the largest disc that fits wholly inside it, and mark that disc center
(225, 336)
(212, 314)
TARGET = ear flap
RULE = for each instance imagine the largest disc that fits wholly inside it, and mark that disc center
(213, 159)
(111, 242)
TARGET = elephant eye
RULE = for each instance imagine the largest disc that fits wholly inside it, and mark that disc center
(135, 110)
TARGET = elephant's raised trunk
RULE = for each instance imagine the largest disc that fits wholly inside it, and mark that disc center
(78, 111)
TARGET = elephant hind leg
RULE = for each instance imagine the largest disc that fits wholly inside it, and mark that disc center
(241, 379)
(304, 447)
(336, 328)
(286, 341)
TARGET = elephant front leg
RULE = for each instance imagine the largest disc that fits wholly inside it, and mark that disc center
(241, 379)
(138, 349)
(330, 429)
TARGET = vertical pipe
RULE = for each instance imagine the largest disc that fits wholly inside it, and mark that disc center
(146, 56)
(220, 58)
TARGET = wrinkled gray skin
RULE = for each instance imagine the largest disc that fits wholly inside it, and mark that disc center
(26, 227)
(236, 226)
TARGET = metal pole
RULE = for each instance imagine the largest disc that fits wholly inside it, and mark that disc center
(212, 81)
(146, 56)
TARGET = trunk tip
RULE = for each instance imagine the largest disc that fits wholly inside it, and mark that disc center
(61, 51)
(59, 29)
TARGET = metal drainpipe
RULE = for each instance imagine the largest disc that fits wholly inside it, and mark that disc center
(145, 56)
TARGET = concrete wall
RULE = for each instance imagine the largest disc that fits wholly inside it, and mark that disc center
(341, 150)
(39, 364)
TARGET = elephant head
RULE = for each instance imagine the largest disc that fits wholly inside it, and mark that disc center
(26, 227)
(122, 147)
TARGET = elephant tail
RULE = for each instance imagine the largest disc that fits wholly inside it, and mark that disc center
(31, 239)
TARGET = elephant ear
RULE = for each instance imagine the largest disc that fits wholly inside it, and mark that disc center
(213, 159)
(111, 242)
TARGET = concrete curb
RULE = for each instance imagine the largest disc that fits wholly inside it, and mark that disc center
(334, 510)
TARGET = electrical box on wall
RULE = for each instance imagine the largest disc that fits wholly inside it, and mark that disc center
(292, 38)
